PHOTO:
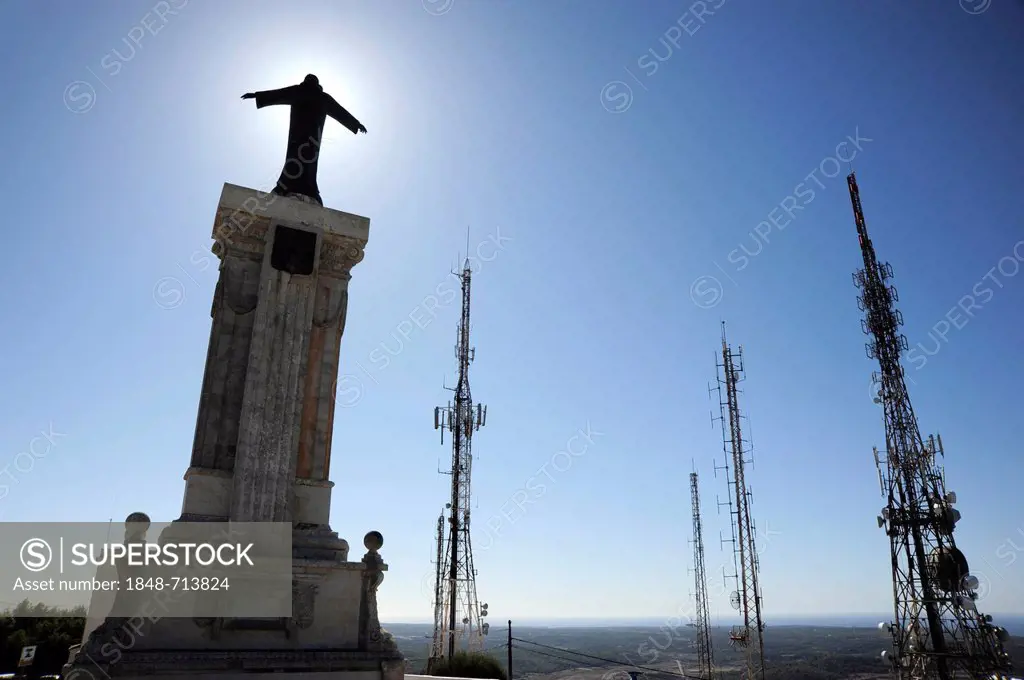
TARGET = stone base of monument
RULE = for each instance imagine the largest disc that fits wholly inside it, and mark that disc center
(262, 453)
(334, 630)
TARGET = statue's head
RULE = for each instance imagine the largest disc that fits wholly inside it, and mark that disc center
(312, 81)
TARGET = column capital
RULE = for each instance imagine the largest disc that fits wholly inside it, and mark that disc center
(339, 254)
(244, 215)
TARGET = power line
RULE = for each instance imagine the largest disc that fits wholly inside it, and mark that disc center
(503, 645)
(601, 658)
(553, 656)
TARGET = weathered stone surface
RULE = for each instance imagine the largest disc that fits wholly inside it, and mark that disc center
(262, 453)
(266, 412)
(268, 430)
(233, 314)
(318, 401)
(334, 627)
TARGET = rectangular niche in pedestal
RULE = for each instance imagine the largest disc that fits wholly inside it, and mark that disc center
(294, 250)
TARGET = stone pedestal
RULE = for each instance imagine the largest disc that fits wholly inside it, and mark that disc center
(262, 446)
(262, 452)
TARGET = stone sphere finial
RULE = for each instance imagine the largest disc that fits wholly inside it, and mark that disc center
(135, 526)
(373, 541)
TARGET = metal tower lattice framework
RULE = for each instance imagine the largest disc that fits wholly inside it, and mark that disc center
(937, 632)
(705, 653)
(440, 578)
(458, 613)
(747, 596)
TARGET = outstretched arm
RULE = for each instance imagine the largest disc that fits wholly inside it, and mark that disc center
(340, 114)
(285, 95)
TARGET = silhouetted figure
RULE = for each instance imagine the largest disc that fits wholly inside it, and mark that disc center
(310, 108)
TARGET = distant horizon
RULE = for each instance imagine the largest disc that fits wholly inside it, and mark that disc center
(662, 620)
(1013, 623)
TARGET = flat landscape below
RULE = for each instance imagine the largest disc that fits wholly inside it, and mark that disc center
(606, 653)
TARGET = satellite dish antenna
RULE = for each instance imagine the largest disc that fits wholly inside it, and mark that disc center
(734, 599)
(968, 604)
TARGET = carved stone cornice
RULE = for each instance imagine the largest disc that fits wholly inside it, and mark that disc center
(244, 217)
(240, 233)
(339, 254)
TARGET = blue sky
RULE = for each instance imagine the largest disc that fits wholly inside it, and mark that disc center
(596, 311)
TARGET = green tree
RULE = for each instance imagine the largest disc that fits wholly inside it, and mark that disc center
(469, 665)
(51, 629)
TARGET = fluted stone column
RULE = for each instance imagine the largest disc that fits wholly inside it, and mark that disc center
(263, 433)
(268, 434)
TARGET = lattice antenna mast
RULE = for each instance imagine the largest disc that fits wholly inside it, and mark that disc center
(462, 615)
(440, 576)
(734, 598)
(747, 596)
(937, 632)
(705, 653)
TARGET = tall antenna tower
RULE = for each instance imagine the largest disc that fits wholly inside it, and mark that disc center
(937, 632)
(747, 596)
(439, 580)
(458, 614)
(705, 654)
